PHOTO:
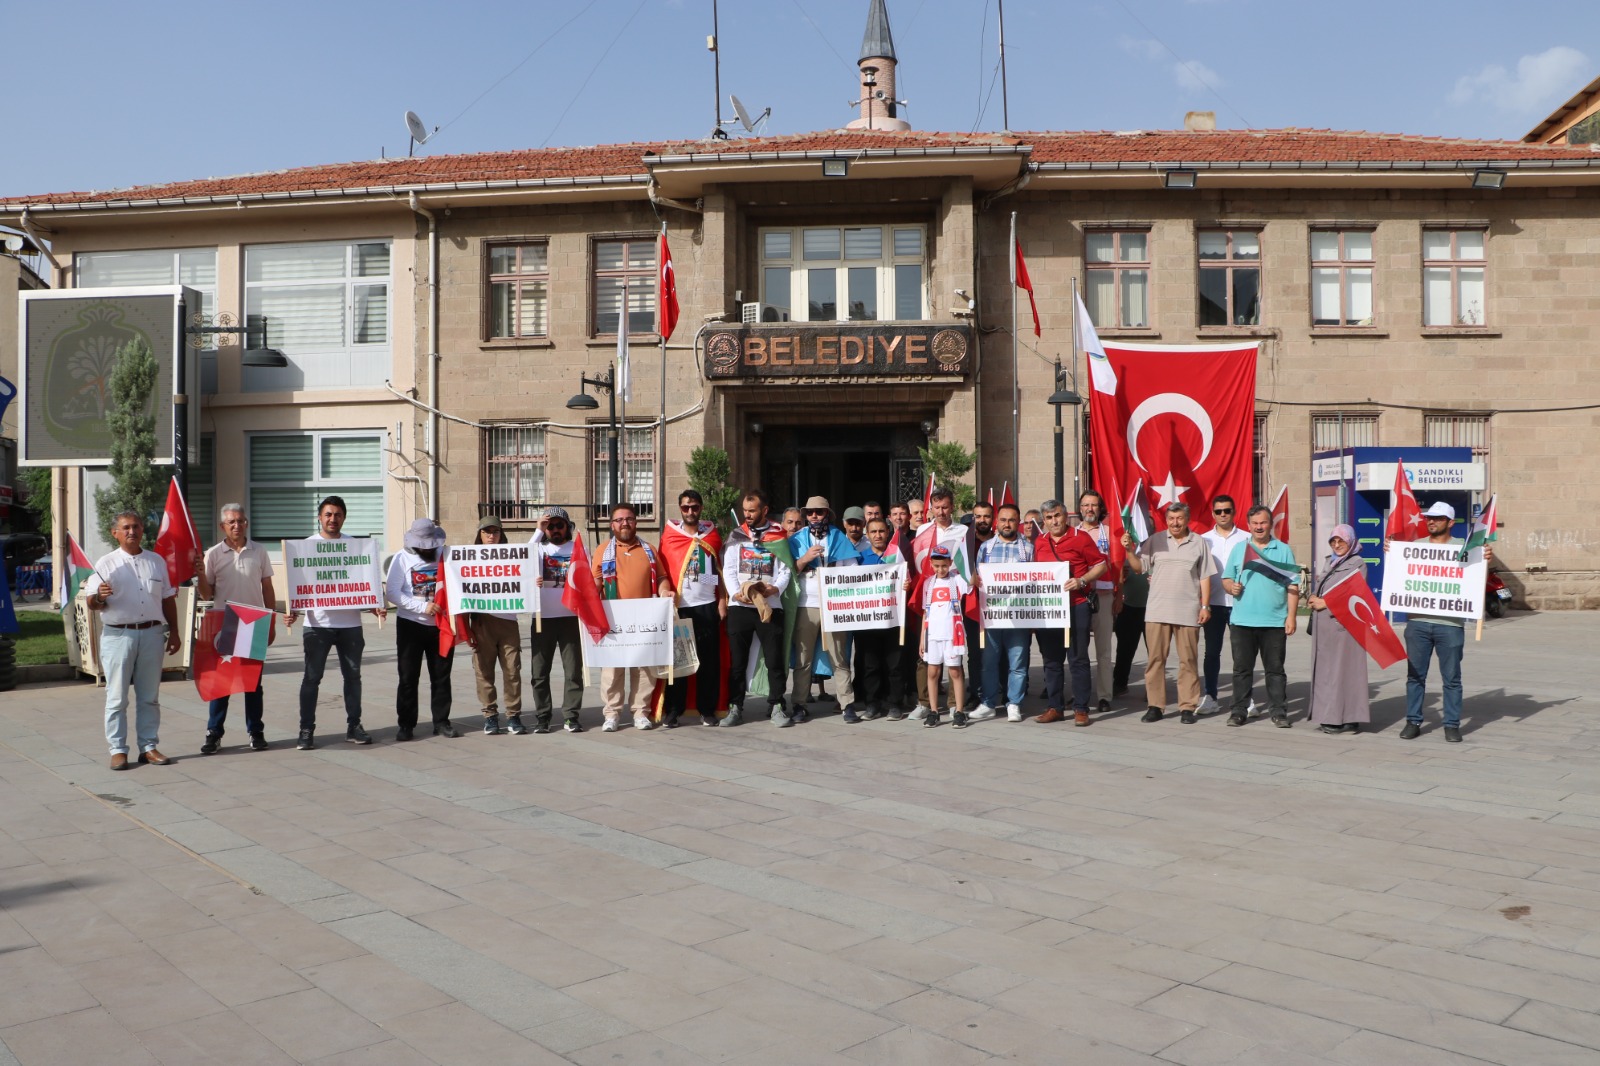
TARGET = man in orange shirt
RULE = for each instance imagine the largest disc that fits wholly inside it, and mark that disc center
(626, 568)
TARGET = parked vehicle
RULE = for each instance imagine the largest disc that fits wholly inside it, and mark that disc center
(21, 549)
(1496, 596)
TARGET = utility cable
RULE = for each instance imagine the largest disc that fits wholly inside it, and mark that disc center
(587, 77)
(520, 64)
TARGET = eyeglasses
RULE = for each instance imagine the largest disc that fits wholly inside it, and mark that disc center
(1223, 510)
(816, 514)
(689, 506)
(554, 523)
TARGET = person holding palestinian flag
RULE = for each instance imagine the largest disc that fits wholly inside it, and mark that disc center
(817, 545)
(692, 551)
(1262, 577)
(235, 571)
(756, 571)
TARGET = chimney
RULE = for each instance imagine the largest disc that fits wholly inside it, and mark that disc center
(1200, 120)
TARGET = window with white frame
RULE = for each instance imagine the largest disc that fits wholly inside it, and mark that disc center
(844, 274)
(624, 267)
(325, 305)
(638, 482)
(194, 267)
(1341, 277)
(1447, 429)
(1116, 278)
(289, 473)
(519, 290)
(515, 462)
(1230, 277)
(1453, 273)
(1334, 430)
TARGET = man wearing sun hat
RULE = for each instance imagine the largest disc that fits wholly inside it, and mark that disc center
(817, 545)
(412, 580)
(1428, 635)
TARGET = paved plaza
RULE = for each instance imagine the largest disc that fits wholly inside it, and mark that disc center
(878, 893)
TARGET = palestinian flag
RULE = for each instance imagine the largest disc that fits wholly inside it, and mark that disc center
(244, 632)
(1484, 530)
(1256, 563)
(1136, 514)
(218, 672)
(701, 551)
(773, 539)
(74, 574)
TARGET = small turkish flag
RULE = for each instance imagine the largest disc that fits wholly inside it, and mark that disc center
(176, 542)
(1280, 515)
(667, 289)
(1352, 605)
(1405, 516)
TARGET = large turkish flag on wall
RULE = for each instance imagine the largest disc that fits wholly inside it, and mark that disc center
(1183, 421)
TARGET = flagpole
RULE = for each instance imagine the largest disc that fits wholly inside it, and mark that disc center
(661, 430)
(1016, 382)
(1077, 418)
(624, 382)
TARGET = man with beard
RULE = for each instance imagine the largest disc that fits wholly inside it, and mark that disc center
(879, 683)
(693, 551)
(871, 511)
(557, 633)
(1062, 543)
(817, 546)
(756, 567)
(626, 568)
(855, 527)
(1005, 662)
(1092, 521)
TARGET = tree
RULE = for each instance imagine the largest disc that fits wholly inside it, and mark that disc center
(137, 484)
(37, 497)
(709, 472)
(946, 461)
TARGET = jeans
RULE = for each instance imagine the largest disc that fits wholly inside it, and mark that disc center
(1054, 648)
(745, 627)
(415, 642)
(316, 643)
(1216, 629)
(1009, 646)
(977, 691)
(1271, 642)
(132, 657)
(558, 637)
(1423, 640)
(252, 713)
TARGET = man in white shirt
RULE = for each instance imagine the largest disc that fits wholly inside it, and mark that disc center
(557, 632)
(412, 585)
(130, 590)
(331, 630)
(1221, 538)
(235, 570)
(754, 573)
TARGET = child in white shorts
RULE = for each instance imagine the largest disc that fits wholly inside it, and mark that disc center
(944, 638)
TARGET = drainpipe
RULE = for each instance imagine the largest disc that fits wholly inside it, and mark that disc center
(433, 356)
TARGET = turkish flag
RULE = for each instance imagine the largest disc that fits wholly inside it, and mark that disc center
(1353, 606)
(176, 542)
(1405, 515)
(217, 675)
(1280, 515)
(667, 289)
(581, 596)
(1182, 421)
(453, 629)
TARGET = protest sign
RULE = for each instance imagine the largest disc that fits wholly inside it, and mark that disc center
(641, 634)
(492, 578)
(1025, 595)
(862, 597)
(338, 574)
(1420, 577)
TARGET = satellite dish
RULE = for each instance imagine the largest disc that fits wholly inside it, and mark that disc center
(419, 132)
(750, 125)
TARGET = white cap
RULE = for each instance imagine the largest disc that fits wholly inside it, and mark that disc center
(1440, 509)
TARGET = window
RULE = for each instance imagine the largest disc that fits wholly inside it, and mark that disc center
(1453, 268)
(289, 473)
(1341, 277)
(843, 274)
(1259, 469)
(515, 461)
(326, 307)
(1333, 430)
(194, 267)
(1458, 430)
(625, 266)
(519, 290)
(202, 492)
(1230, 277)
(1116, 278)
(638, 447)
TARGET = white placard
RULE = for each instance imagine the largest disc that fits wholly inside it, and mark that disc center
(863, 597)
(1424, 578)
(641, 634)
(1025, 595)
(333, 575)
(492, 578)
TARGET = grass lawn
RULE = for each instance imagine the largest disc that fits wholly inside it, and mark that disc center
(42, 639)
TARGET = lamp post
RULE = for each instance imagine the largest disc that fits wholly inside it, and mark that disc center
(1063, 397)
(584, 402)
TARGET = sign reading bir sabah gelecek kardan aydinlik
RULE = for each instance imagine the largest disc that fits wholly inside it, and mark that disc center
(492, 578)
(340, 574)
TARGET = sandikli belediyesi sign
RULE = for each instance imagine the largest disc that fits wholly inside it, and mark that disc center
(492, 578)
(1424, 578)
(863, 597)
(641, 634)
(1025, 595)
(329, 575)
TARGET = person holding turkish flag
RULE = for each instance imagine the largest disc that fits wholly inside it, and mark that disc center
(176, 540)
(1182, 420)
(1405, 516)
(1339, 701)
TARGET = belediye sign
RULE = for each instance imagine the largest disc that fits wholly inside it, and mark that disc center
(804, 350)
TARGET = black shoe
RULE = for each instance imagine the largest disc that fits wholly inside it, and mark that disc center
(306, 741)
(1119, 689)
(356, 735)
(1411, 732)
(801, 714)
(897, 715)
(258, 742)
(1352, 727)
(445, 729)
(1336, 729)
(404, 733)
(515, 727)
(1236, 719)
(1282, 721)
(1452, 734)
(1188, 718)
(572, 726)
(876, 713)
(1152, 715)
(213, 742)
(850, 717)
(669, 721)
(959, 719)
(491, 725)
(1102, 707)
(538, 727)
(931, 720)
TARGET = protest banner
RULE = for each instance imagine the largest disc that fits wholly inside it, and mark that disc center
(339, 574)
(1026, 596)
(492, 578)
(640, 634)
(862, 597)
(1420, 577)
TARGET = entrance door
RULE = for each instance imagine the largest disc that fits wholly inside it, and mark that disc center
(848, 465)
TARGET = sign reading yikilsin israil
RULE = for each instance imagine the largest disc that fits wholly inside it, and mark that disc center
(790, 349)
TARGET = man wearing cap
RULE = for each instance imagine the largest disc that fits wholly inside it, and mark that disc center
(410, 585)
(497, 639)
(557, 633)
(819, 545)
(626, 568)
(855, 527)
(1428, 635)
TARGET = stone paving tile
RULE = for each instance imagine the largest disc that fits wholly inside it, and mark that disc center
(454, 1034)
(373, 987)
(388, 1053)
(142, 990)
(213, 1039)
(84, 1036)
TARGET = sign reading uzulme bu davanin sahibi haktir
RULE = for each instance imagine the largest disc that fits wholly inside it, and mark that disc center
(836, 349)
(339, 574)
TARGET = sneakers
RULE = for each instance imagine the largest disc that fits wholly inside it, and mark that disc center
(959, 719)
(783, 720)
(1236, 718)
(445, 729)
(1452, 734)
(404, 733)
(733, 717)
(642, 722)
(541, 728)
(1255, 710)
(849, 717)
(670, 721)
(920, 713)
(1208, 705)
(571, 726)
(1281, 721)
(491, 725)
(1013, 713)
(514, 725)
(1411, 732)
(1080, 717)
(1335, 729)
(930, 719)
(213, 742)
(982, 713)
(709, 718)
(802, 714)
(1152, 715)
(1188, 717)
(611, 726)
(876, 713)
(258, 742)
(897, 715)
(1050, 715)
(356, 735)
(306, 741)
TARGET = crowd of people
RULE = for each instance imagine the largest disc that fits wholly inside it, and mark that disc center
(1173, 591)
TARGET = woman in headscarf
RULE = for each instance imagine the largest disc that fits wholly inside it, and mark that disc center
(1339, 702)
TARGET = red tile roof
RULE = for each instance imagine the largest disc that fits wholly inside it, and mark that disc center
(623, 161)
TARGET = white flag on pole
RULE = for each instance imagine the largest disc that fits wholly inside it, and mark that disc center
(1100, 369)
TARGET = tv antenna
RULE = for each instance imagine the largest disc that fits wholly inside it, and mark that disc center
(419, 132)
(751, 125)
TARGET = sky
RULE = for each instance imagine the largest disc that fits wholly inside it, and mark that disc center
(106, 95)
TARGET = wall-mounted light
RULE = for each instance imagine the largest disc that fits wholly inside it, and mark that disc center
(836, 168)
(1181, 179)
(756, 428)
(1488, 178)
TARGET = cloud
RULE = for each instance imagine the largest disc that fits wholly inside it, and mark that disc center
(1191, 75)
(1539, 82)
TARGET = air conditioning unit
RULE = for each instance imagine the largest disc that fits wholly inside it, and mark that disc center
(755, 313)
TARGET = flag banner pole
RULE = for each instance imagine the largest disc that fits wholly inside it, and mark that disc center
(1016, 380)
(1479, 635)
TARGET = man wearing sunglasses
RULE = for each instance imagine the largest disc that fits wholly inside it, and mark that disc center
(1221, 538)
(819, 544)
(692, 550)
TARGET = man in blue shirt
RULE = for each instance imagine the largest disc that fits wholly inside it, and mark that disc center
(818, 544)
(1263, 579)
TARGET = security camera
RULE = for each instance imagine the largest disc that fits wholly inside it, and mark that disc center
(963, 294)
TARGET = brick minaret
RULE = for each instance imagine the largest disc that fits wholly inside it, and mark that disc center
(879, 111)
